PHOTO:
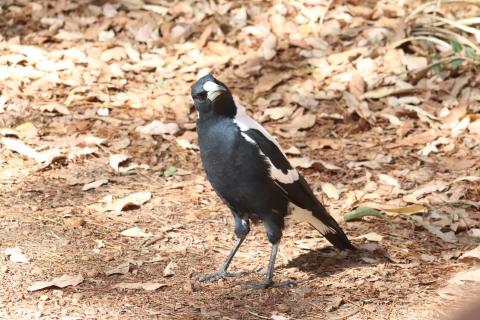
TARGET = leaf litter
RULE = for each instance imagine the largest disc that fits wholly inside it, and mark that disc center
(374, 119)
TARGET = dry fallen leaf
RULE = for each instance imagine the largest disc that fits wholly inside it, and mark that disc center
(394, 211)
(124, 268)
(269, 80)
(301, 162)
(147, 286)
(268, 47)
(389, 180)
(90, 140)
(471, 255)
(61, 282)
(16, 255)
(371, 236)
(55, 107)
(95, 184)
(117, 160)
(300, 122)
(433, 186)
(436, 231)
(278, 113)
(20, 147)
(158, 128)
(136, 232)
(169, 269)
(185, 144)
(130, 202)
(330, 190)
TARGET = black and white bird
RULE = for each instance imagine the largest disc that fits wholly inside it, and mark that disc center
(249, 171)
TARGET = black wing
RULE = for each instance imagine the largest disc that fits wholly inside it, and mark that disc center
(299, 192)
(270, 150)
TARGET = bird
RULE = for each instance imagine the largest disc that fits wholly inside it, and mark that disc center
(252, 176)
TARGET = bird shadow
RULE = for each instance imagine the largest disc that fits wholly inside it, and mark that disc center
(327, 261)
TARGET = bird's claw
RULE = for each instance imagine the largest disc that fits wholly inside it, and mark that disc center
(218, 275)
(270, 284)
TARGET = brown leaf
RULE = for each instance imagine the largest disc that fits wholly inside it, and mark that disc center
(278, 112)
(471, 255)
(55, 107)
(360, 108)
(330, 190)
(269, 80)
(117, 160)
(136, 232)
(300, 122)
(95, 184)
(418, 138)
(268, 47)
(147, 286)
(158, 128)
(371, 236)
(61, 282)
(356, 86)
(131, 202)
(169, 269)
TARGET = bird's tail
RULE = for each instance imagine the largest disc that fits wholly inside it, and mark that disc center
(325, 224)
(310, 210)
(329, 228)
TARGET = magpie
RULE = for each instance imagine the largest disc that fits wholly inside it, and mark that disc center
(251, 174)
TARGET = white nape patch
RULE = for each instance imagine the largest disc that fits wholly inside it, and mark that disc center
(213, 89)
(245, 123)
(303, 215)
(203, 72)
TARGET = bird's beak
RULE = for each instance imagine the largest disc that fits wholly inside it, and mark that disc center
(213, 90)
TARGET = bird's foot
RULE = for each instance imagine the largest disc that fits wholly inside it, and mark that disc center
(270, 284)
(218, 275)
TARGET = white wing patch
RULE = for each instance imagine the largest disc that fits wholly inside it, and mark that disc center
(213, 89)
(303, 215)
(245, 123)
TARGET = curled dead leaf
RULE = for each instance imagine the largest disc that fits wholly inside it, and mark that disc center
(147, 286)
(95, 184)
(136, 232)
(60, 282)
(158, 128)
(130, 202)
(117, 160)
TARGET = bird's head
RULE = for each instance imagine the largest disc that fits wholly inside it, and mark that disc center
(210, 95)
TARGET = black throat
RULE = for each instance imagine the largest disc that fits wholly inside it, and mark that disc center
(224, 105)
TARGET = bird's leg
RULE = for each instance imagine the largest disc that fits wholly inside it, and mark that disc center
(268, 278)
(242, 228)
(274, 227)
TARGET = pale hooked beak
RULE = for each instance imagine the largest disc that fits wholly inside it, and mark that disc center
(213, 90)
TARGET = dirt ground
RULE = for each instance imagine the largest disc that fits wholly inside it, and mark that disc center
(96, 91)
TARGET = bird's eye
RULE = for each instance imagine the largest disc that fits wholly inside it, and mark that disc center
(200, 97)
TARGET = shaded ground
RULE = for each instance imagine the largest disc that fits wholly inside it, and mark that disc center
(383, 135)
